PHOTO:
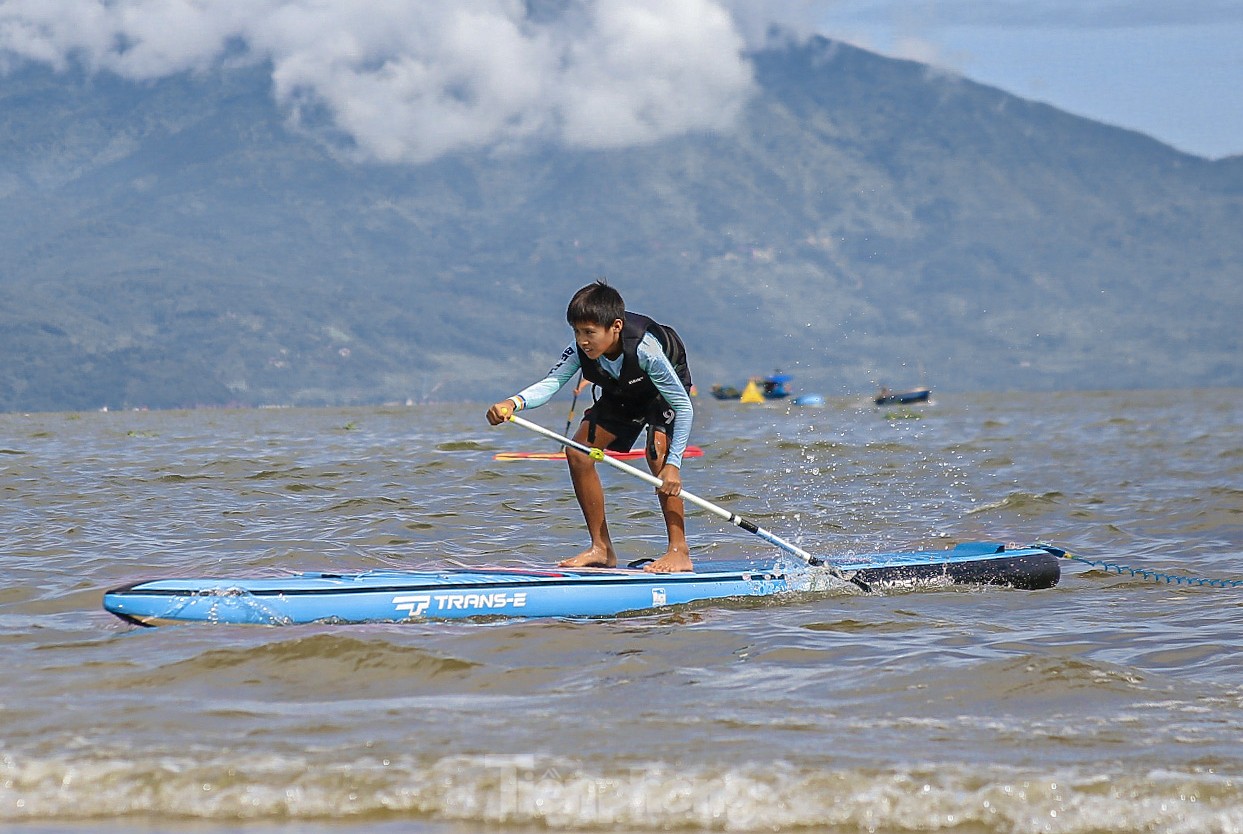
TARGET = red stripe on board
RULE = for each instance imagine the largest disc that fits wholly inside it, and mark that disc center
(691, 452)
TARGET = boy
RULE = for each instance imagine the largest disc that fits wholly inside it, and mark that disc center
(640, 367)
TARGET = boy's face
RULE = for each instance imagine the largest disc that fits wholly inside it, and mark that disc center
(596, 340)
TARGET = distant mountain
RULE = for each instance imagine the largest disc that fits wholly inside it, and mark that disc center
(177, 243)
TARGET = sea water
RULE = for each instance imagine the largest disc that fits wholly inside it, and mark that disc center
(1111, 703)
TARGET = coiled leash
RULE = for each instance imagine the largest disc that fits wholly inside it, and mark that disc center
(1145, 573)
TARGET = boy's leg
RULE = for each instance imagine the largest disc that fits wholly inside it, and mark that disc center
(590, 494)
(678, 557)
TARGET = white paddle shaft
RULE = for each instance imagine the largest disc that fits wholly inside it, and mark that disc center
(736, 520)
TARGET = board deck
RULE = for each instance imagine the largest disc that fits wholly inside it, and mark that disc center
(633, 454)
(401, 595)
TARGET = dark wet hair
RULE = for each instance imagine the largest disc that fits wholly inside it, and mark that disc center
(596, 303)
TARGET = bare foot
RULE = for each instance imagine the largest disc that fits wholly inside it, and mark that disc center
(593, 557)
(675, 561)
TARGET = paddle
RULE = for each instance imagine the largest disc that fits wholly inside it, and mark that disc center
(736, 520)
(574, 402)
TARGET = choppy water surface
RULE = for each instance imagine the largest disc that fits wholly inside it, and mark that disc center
(1111, 703)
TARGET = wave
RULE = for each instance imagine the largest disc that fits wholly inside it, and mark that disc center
(302, 664)
(1025, 504)
(561, 793)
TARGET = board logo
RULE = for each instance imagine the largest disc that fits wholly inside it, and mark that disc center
(414, 606)
(417, 605)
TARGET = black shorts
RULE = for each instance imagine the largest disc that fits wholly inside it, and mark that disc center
(626, 424)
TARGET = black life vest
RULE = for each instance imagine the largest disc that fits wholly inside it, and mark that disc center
(634, 390)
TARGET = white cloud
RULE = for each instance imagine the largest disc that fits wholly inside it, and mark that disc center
(644, 68)
(762, 21)
(409, 81)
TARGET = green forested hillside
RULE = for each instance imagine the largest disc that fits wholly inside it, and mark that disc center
(177, 243)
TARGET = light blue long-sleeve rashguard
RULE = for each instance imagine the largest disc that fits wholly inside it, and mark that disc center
(652, 361)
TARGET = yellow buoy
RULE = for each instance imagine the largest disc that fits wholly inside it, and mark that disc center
(751, 394)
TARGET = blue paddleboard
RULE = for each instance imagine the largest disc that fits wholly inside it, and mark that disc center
(400, 595)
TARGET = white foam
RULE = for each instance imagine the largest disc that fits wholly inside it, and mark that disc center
(563, 794)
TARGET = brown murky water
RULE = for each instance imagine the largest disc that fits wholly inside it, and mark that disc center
(1110, 703)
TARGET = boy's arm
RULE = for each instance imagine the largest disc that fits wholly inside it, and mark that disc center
(541, 392)
(660, 370)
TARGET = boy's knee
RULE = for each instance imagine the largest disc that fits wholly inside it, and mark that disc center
(578, 461)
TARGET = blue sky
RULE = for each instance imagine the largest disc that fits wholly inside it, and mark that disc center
(1170, 68)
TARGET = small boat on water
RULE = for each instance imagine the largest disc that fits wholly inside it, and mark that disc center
(915, 395)
(758, 389)
(774, 387)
